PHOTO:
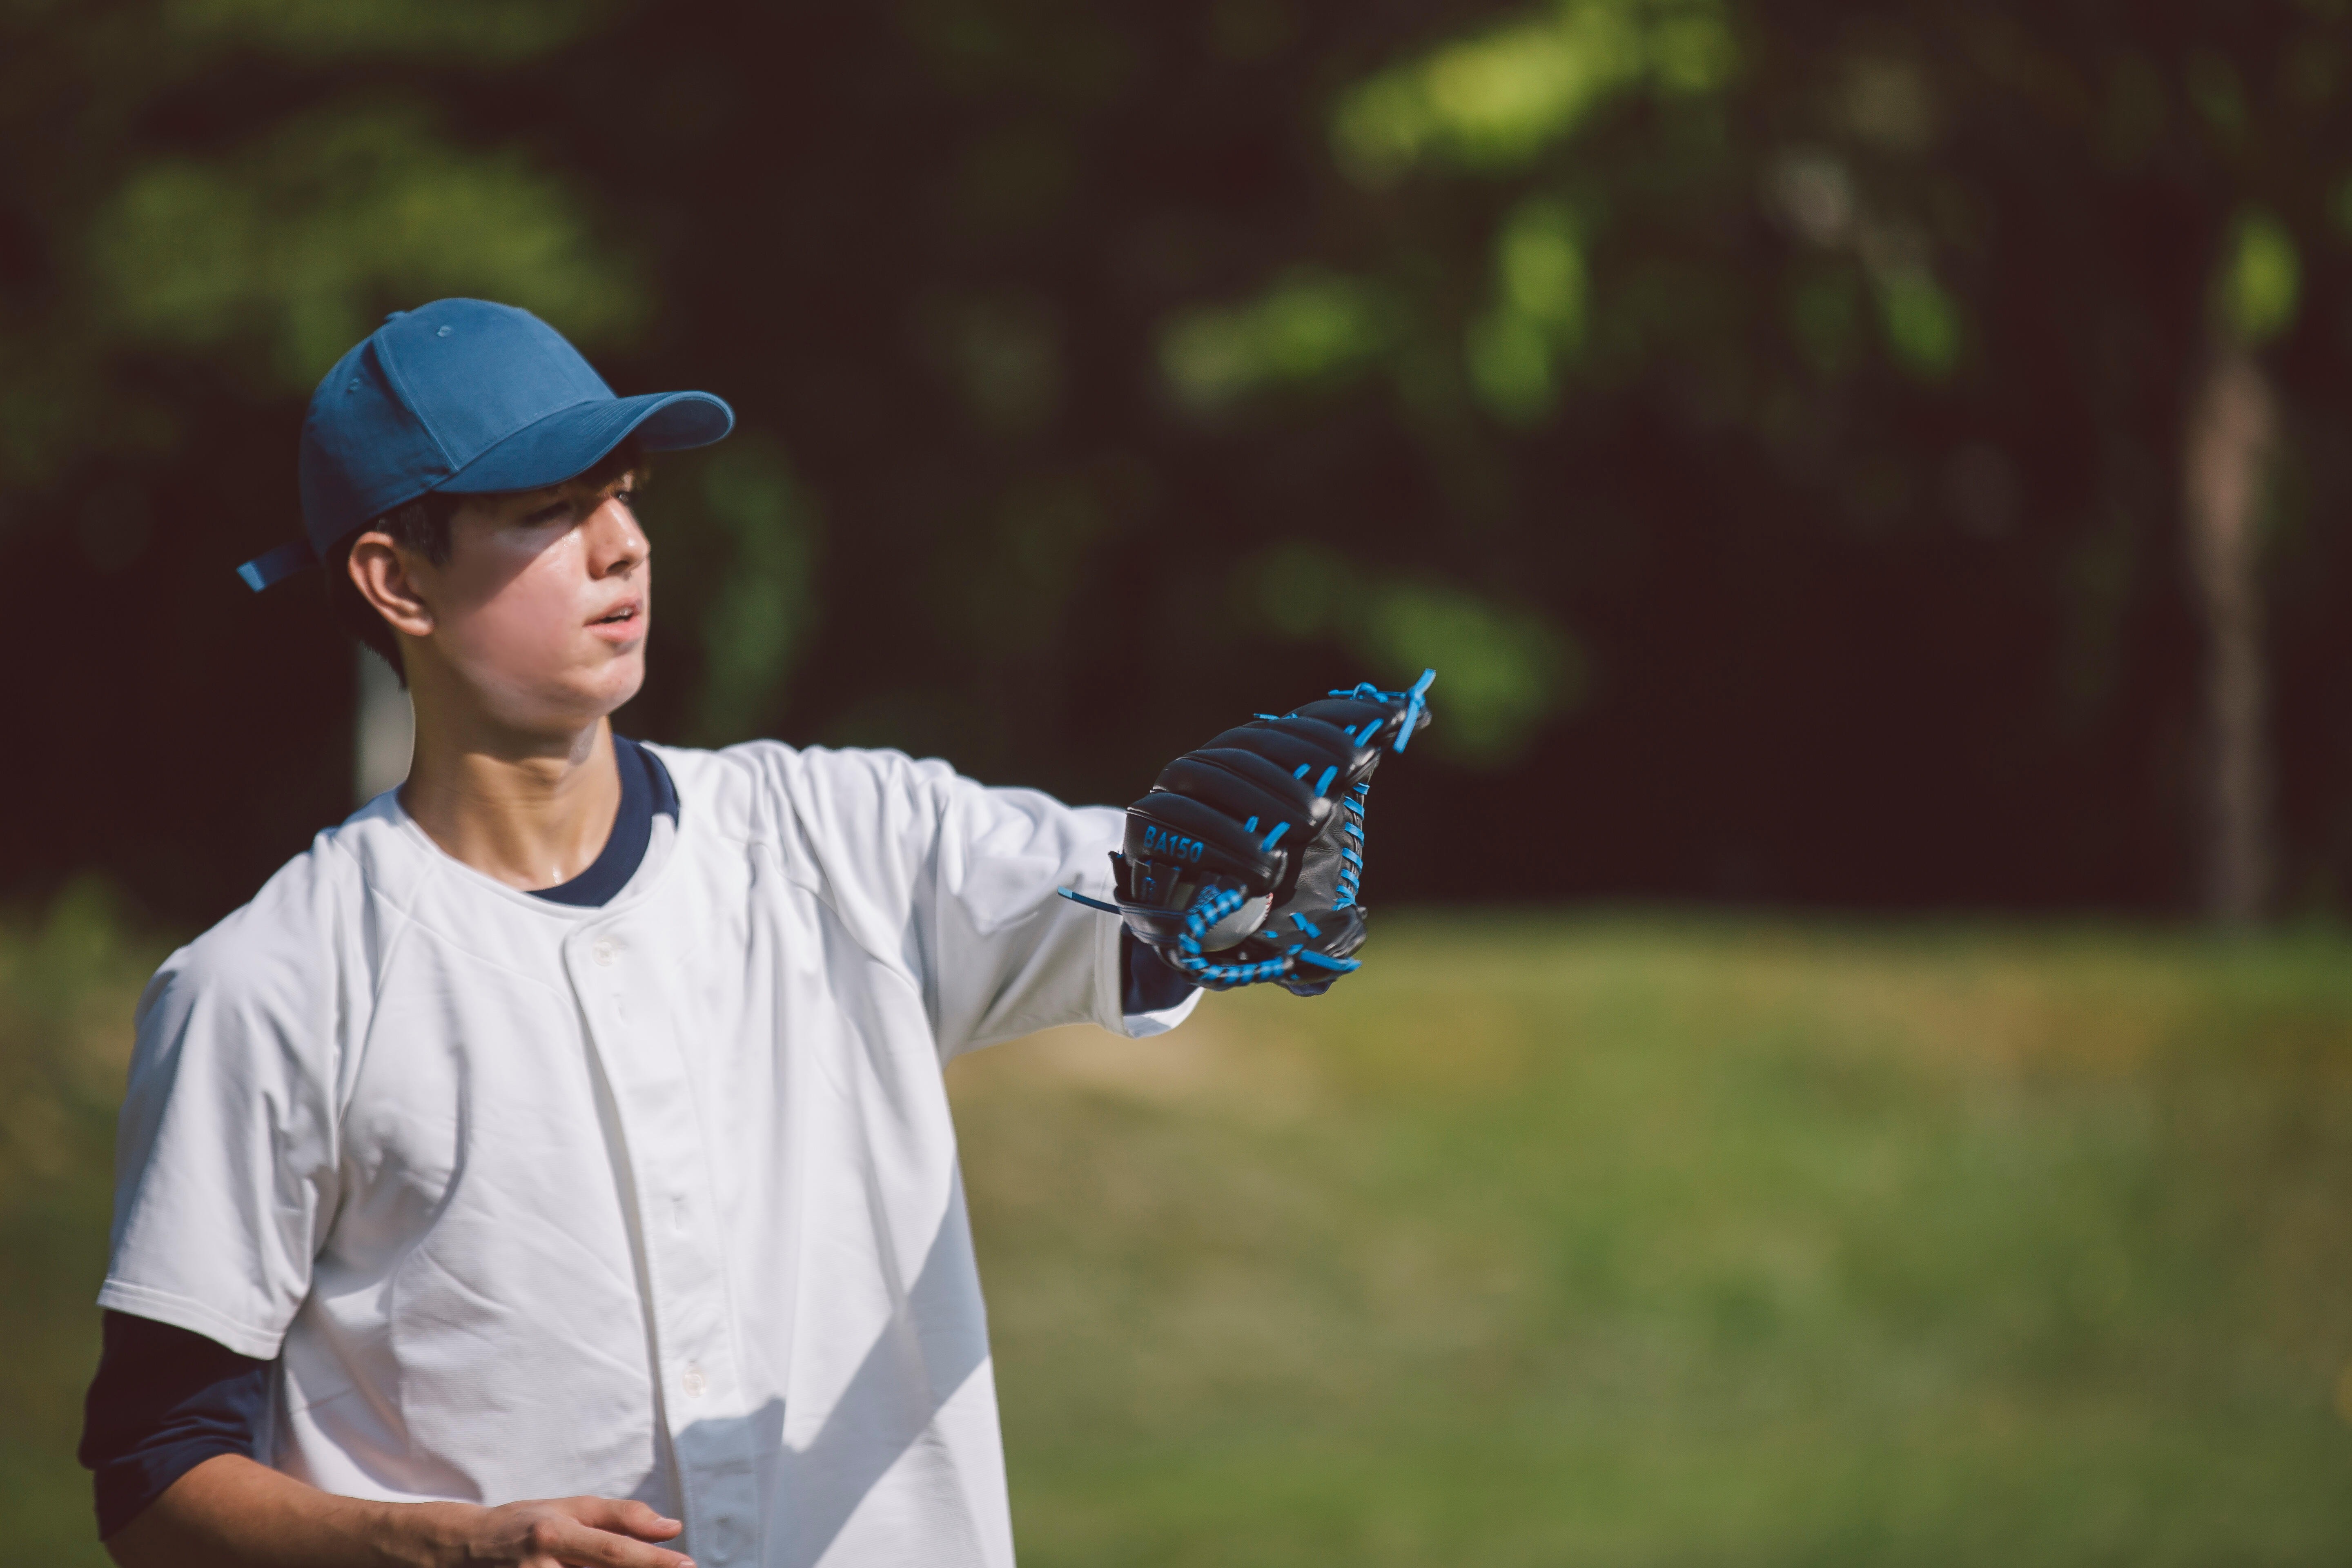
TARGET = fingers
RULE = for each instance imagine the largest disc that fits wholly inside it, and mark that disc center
(595, 1532)
(555, 1542)
(625, 1517)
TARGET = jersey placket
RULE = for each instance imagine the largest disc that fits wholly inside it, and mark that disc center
(704, 1401)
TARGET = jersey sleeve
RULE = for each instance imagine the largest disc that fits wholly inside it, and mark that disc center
(967, 876)
(226, 1152)
(1010, 955)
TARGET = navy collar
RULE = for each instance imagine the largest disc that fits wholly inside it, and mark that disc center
(645, 793)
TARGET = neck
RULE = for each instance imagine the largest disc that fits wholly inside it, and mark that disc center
(530, 811)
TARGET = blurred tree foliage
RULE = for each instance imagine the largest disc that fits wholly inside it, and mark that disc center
(1765, 414)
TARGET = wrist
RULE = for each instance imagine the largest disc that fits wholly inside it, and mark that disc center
(415, 1534)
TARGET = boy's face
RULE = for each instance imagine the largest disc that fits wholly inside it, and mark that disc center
(541, 611)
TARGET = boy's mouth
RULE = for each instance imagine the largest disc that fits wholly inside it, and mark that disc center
(620, 615)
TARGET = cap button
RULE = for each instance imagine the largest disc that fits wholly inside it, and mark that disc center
(395, 315)
(441, 332)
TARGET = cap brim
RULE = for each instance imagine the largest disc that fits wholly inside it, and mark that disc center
(571, 440)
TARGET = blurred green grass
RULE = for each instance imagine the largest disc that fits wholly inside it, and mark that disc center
(68, 982)
(1644, 1241)
(1605, 1240)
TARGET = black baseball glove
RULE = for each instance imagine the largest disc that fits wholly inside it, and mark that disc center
(1242, 863)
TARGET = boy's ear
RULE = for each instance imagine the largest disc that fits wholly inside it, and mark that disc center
(380, 571)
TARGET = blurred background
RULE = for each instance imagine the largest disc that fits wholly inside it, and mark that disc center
(1863, 1077)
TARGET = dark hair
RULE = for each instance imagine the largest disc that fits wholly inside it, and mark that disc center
(422, 526)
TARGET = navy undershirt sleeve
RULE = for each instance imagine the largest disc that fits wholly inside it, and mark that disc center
(165, 1401)
(1147, 985)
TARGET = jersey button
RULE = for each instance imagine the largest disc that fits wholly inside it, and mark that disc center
(606, 949)
(694, 1383)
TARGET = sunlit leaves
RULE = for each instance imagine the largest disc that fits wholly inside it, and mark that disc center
(1494, 100)
(1504, 669)
(1501, 670)
(1922, 322)
(2261, 278)
(1538, 314)
(1316, 327)
(1814, 193)
(1509, 358)
(304, 240)
(1490, 100)
(1312, 326)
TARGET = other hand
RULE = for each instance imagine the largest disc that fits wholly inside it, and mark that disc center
(574, 1532)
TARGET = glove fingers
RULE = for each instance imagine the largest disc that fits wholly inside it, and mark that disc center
(1306, 939)
(1351, 714)
(1257, 806)
(1334, 742)
(1315, 750)
(1332, 762)
(1354, 713)
(1356, 758)
(1244, 785)
(1335, 933)
(1197, 840)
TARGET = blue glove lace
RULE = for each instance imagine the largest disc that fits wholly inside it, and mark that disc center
(1351, 852)
(1213, 905)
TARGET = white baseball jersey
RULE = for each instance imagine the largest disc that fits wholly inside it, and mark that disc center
(657, 1199)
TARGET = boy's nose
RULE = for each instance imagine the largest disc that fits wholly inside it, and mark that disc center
(615, 543)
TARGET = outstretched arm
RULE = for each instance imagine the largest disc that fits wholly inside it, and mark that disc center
(231, 1512)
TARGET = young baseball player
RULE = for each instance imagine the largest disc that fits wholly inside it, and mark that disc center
(552, 1164)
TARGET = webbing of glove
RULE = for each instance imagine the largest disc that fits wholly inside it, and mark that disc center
(1242, 865)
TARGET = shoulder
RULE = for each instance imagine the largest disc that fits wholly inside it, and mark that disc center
(283, 962)
(761, 787)
(859, 829)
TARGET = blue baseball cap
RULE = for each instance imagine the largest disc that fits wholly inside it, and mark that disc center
(463, 398)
